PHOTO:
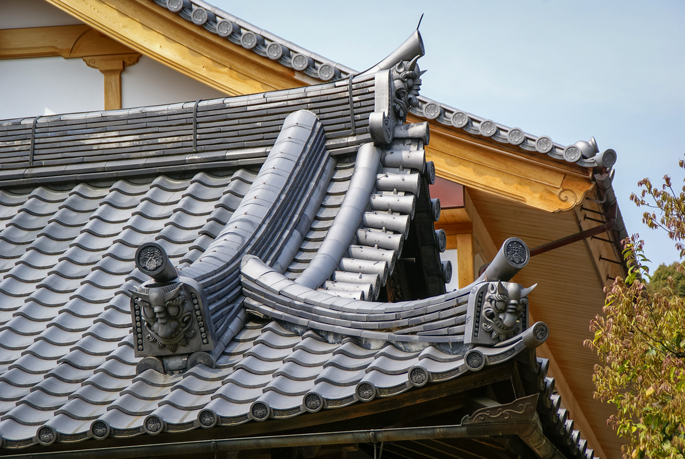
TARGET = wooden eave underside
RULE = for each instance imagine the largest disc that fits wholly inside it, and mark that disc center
(568, 296)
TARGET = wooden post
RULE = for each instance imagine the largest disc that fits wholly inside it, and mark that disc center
(465, 259)
(111, 67)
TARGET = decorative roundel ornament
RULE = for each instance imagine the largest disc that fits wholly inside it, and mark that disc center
(260, 411)
(175, 5)
(436, 209)
(46, 435)
(516, 136)
(224, 28)
(572, 154)
(541, 331)
(274, 51)
(418, 376)
(248, 40)
(441, 237)
(488, 128)
(300, 62)
(207, 419)
(475, 360)
(516, 253)
(100, 430)
(313, 402)
(608, 158)
(431, 110)
(366, 392)
(326, 72)
(447, 271)
(199, 16)
(460, 119)
(544, 144)
(153, 425)
(430, 172)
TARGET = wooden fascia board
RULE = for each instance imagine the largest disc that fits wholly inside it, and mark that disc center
(166, 37)
(517, 176)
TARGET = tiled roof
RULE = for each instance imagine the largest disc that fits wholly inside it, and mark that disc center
(237, 131)
(304, 228)
(270, 46)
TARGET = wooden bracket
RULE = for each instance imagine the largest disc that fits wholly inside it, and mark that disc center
(111, 67)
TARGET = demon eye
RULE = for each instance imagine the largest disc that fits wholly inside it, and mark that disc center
(149, 312)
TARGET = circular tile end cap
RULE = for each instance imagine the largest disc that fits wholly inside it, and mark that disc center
(224, 28)
(260, 411)
(365, 391)
(431, 110)
(313, 402)
(100, 430)
(516, 252)
(474, 359)
(199, 16)
(460, 119)
(153, 425)
(516, 136)
(248, 40)
(488, 128)
(544, 144)
(418, 376)
(274, 51)
(300, 62)
(207, 419)
(572, 154)
(46, 435)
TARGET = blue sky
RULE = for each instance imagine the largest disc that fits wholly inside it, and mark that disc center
(570, 70)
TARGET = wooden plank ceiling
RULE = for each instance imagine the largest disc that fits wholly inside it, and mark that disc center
(568, 296)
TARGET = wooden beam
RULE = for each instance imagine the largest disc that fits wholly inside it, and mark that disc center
(166, 37)
(480, 231)
(71, 41)
(464, 259)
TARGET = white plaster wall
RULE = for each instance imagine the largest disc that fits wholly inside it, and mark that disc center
(48, 85)
(451, 255)
(16, 14)
(150, 83)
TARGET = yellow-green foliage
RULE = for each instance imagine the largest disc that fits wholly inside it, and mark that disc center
(640, 341)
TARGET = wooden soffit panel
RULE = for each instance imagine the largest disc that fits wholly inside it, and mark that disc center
(510, 173)
(166, 37)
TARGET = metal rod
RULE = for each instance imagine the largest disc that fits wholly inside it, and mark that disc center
(195, 125)
(353, 129)
(611, 221)
(33, 140)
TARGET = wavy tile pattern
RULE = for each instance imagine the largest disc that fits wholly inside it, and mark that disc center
(64, 314)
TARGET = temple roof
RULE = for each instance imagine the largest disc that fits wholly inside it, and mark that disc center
(260, 219)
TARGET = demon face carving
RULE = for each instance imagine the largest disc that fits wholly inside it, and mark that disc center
(167, 315)
(503, 307)
(406, 83)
